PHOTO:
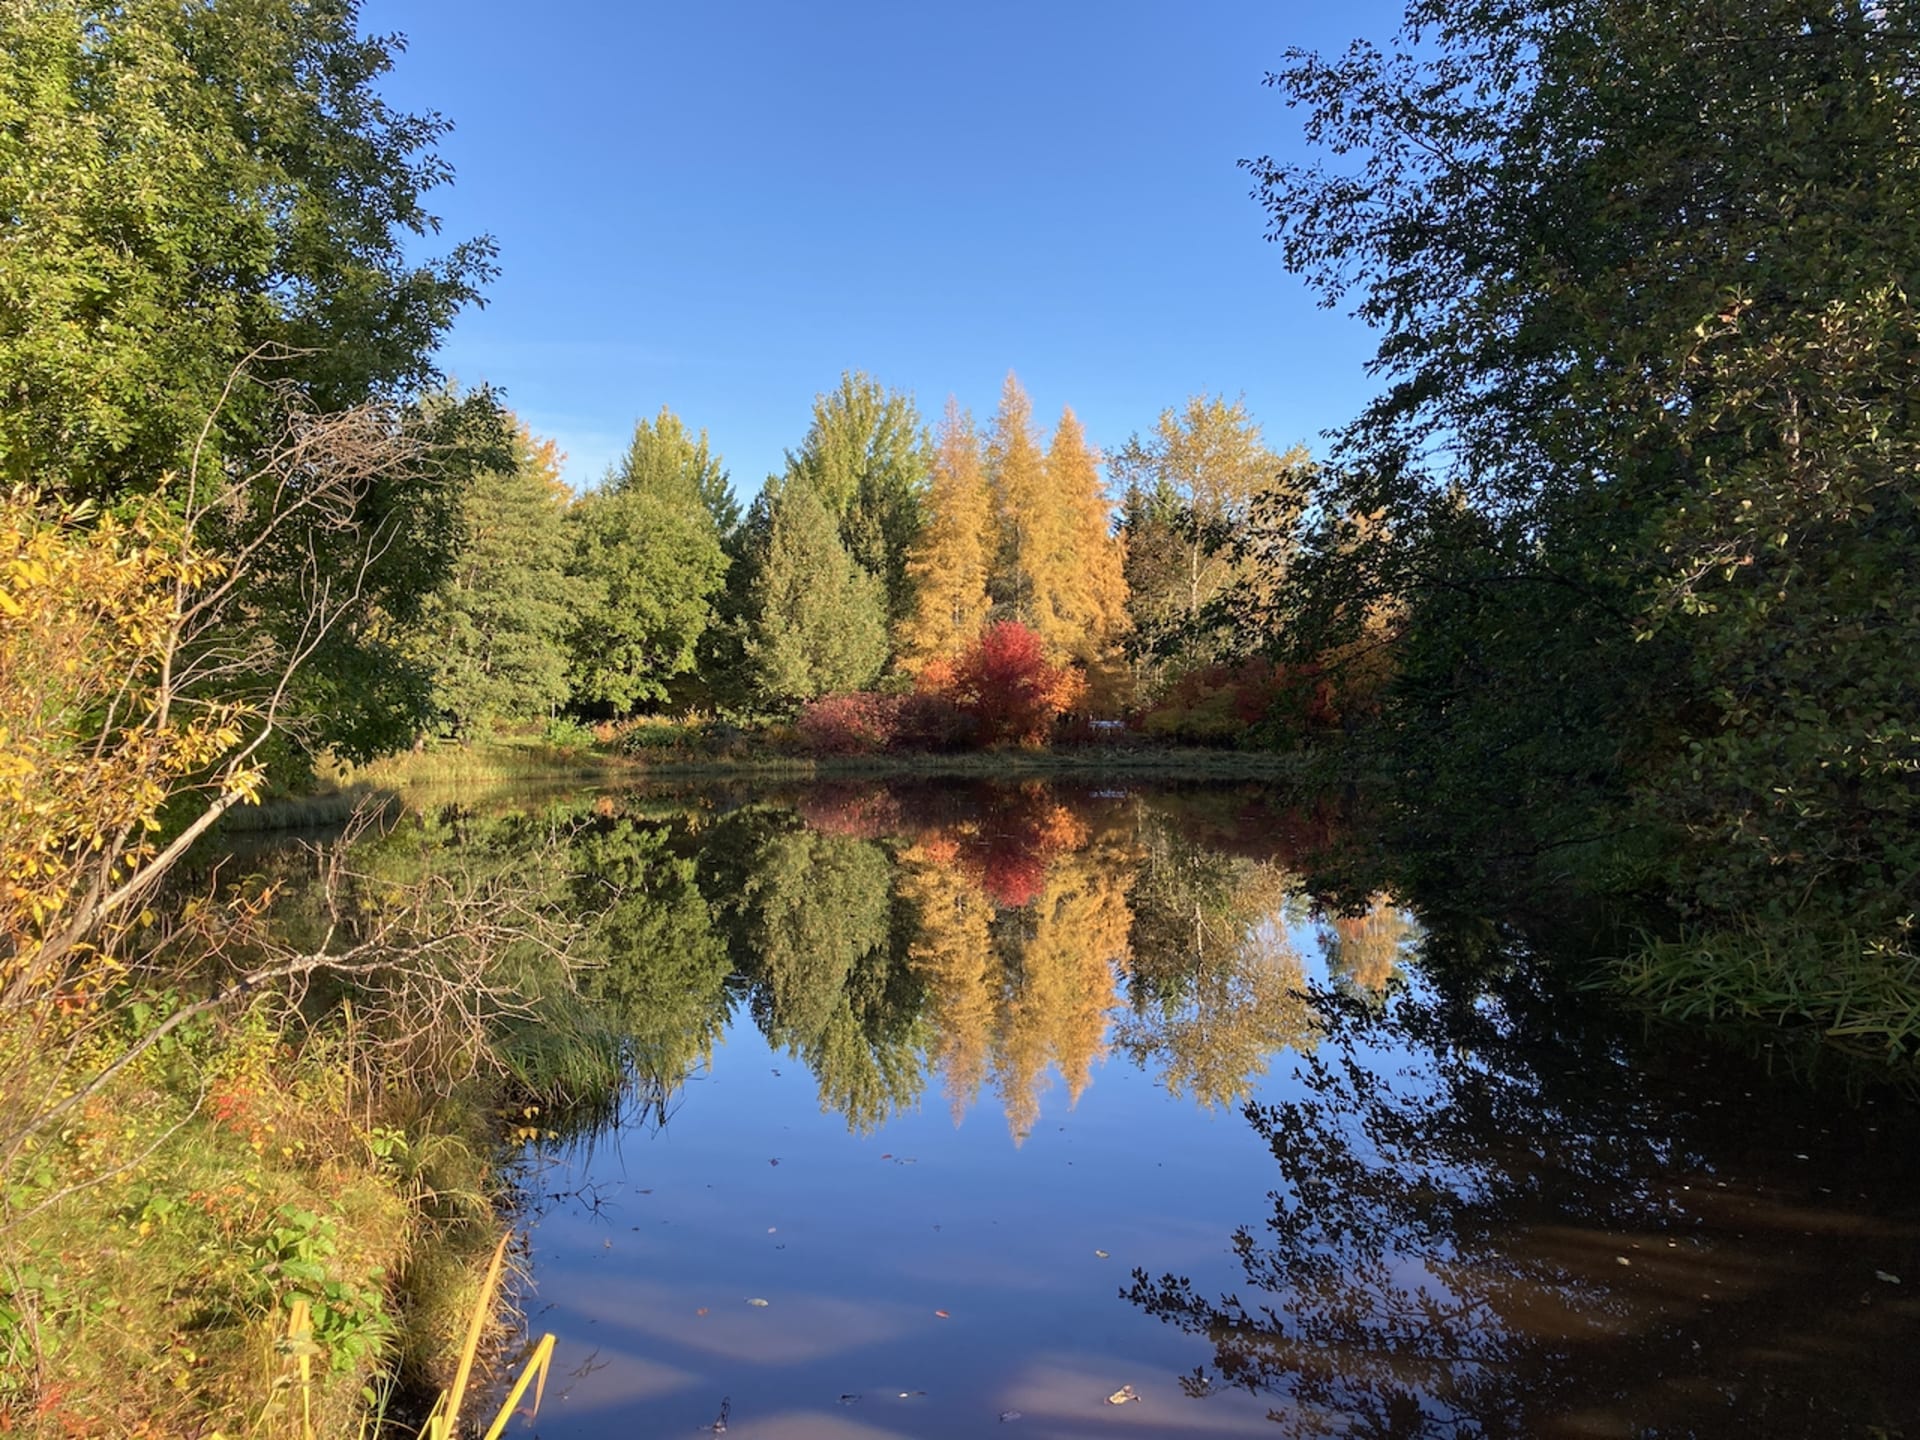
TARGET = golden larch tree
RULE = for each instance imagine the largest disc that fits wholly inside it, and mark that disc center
(952, 955)
(949, 561)
(1090, 571)
(1029, 526)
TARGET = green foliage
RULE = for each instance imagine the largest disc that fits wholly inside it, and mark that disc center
(814, 926)
(867, 458)
(664, 458)
(655, 961)
(651, 563)
(495, 628)
(819, 619)
(1640, 486)
(187, 186)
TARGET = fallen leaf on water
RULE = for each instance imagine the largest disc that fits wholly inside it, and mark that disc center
(1122, 1395)
(888, 1155)
(1883, 1275)
(943, 1314)
(701, 1311)
(758, 1303)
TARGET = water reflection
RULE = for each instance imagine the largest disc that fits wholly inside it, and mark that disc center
(1353, 1198)
(1491, 1224)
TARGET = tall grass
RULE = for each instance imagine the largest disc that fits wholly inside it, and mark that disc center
(1863, 994)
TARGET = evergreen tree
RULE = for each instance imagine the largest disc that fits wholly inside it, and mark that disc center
(818, 620)
(494, 632)
(865, 457)
(948, 563)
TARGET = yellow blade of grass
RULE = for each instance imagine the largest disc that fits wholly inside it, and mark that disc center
(535, 1369)
(449, 1417)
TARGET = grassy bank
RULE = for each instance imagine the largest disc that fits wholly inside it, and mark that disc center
(157, 1238)
(525, 760)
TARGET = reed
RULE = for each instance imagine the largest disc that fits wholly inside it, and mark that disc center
(443, 1421)
(1864, 996)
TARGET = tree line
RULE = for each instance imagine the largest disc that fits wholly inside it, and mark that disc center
(878, 558)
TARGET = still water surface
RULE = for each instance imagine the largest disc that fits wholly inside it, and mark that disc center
(963, 1110)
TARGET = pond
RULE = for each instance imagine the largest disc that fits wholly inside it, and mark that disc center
(1058, 1112)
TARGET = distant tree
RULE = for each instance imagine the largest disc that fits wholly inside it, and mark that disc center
(818, 617)
(1031, 528)
(650, 563)
(865, 457)
(495, 631)
(664, 458)
(1190, 487)
(948, 563)
(1092, 603)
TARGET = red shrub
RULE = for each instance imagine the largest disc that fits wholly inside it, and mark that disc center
(864, 723)
(1012, 690)
(849, 723)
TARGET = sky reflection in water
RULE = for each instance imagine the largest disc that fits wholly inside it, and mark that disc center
(988, 1052)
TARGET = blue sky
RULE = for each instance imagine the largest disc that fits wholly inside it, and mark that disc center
(718, 206)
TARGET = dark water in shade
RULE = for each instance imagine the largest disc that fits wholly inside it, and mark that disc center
(1002, 1101)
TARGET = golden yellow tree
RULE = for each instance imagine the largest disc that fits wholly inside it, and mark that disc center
(93, 739)
(1090, 571)
(1031, 535)
(953, 957)
(1072, 945)
(948, 563)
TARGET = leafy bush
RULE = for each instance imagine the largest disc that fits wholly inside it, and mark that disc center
(1010, 688)
(1258, 698)
(565, 733)
(868, 723)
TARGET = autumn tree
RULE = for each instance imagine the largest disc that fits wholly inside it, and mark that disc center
(952, 954)
(1013, 691)
(1092, 599)
(865, 458)
(1031, 530)
(948, 564)
(818, 620)
(1189, 488)
(495, 630)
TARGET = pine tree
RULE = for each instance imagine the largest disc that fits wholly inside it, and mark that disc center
(818, 617)
(948, 563)
(494, 631)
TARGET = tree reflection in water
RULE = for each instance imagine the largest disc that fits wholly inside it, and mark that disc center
(1468, 1240)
